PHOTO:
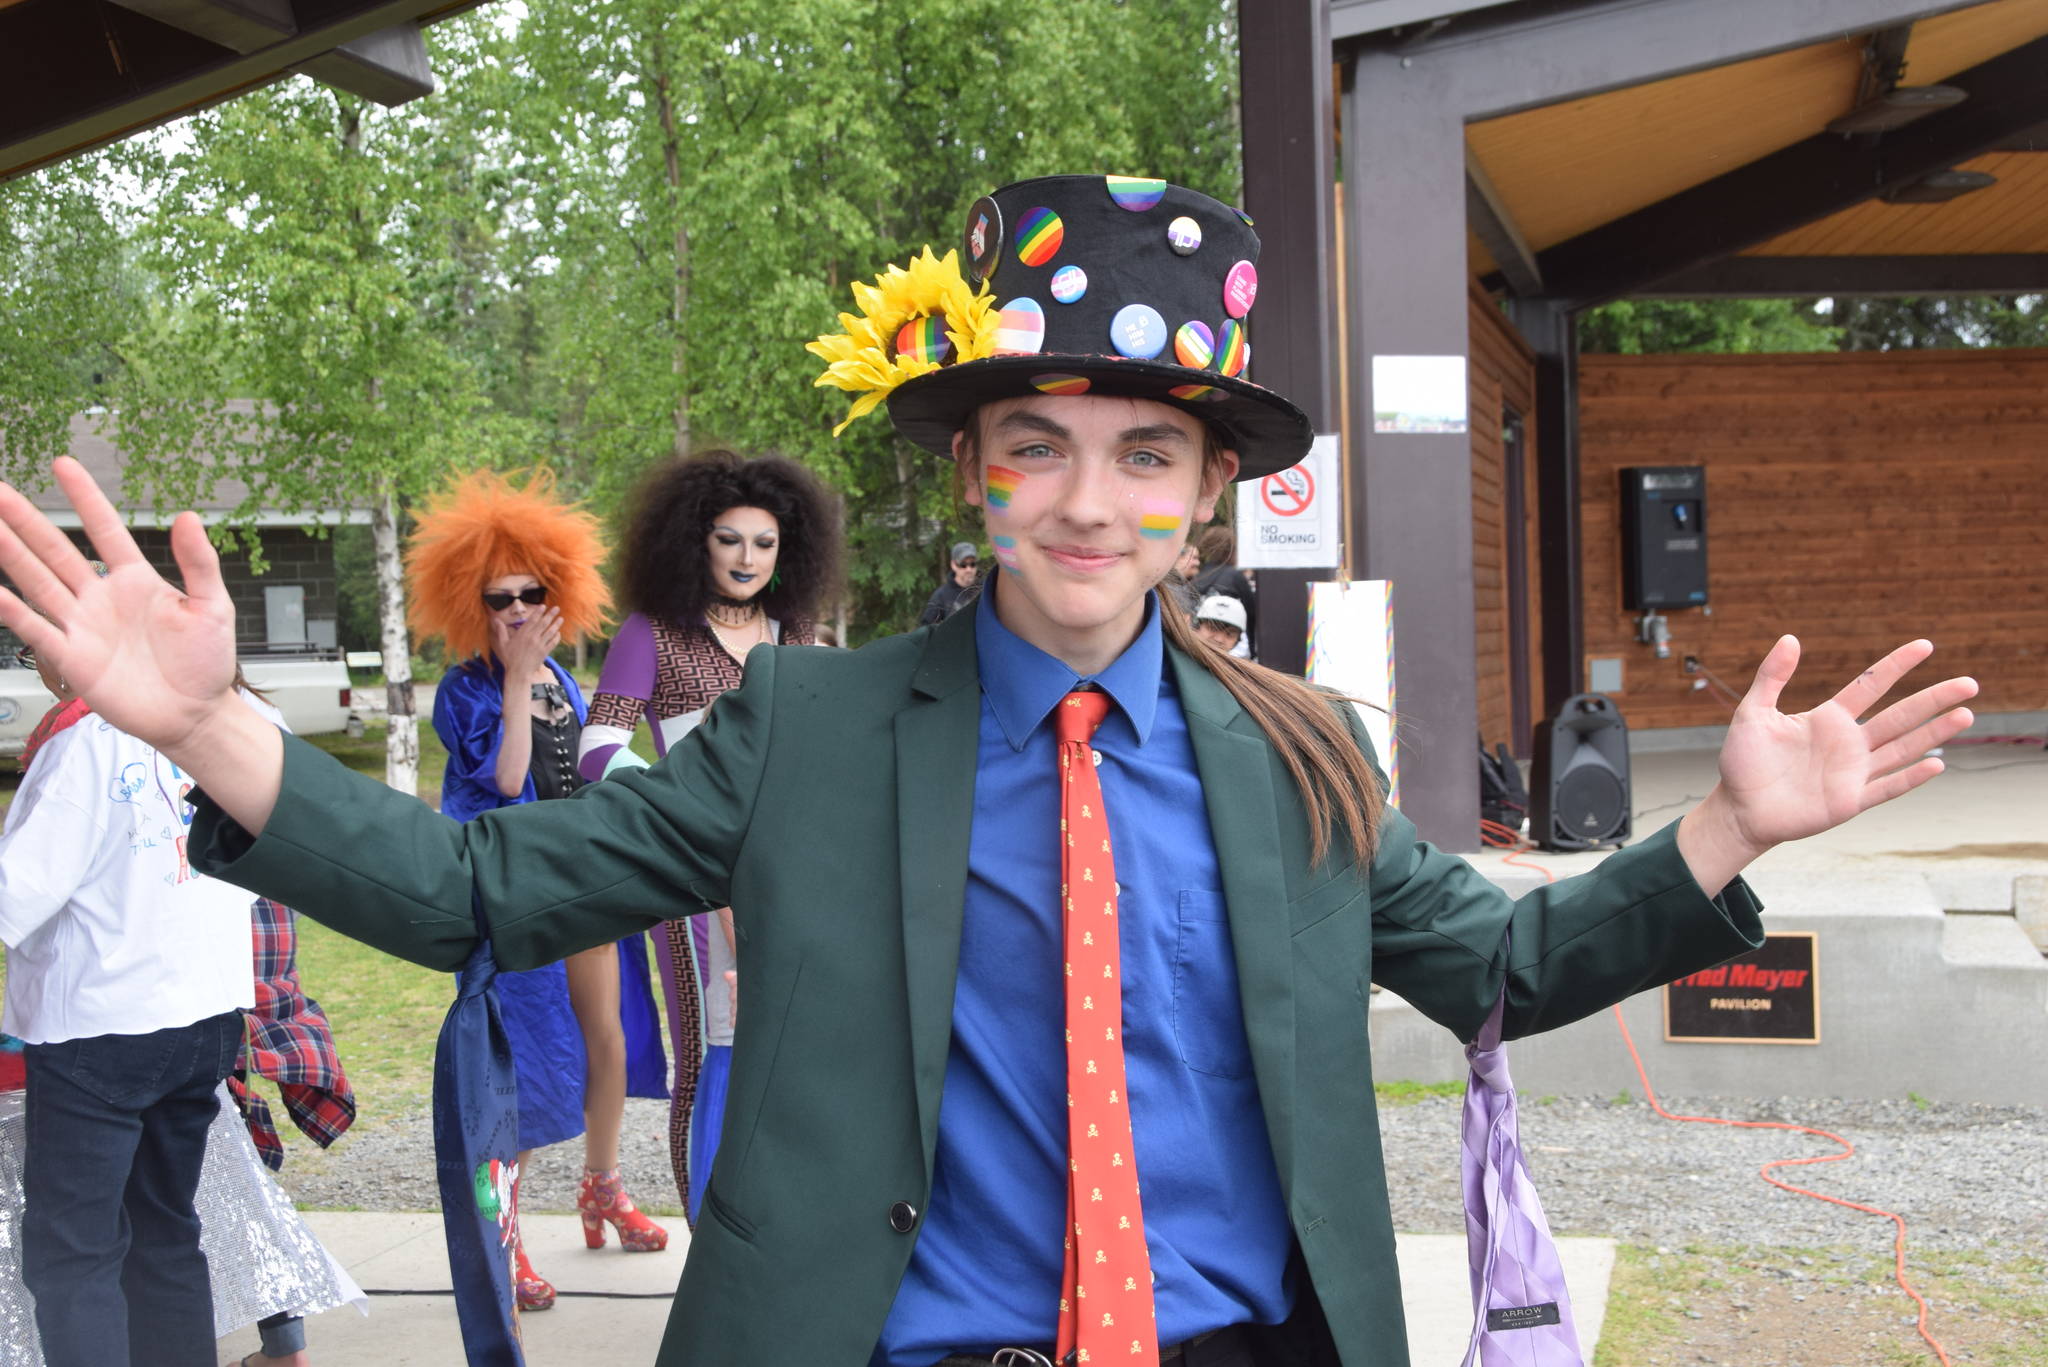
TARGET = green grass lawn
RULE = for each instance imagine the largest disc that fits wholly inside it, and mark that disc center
(365, 755)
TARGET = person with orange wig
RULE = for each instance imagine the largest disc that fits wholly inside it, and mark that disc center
(503, 573)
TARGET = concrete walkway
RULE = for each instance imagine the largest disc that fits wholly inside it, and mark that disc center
(612, 1306)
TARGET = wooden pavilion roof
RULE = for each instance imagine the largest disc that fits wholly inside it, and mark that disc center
(1563, 174)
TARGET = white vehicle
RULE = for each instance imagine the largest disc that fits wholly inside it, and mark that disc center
(311, 690)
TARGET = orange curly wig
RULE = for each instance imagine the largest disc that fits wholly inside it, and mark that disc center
(483, 526)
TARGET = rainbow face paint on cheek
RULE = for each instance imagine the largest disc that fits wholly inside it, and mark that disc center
(1006, 552)
(1002, 483)
(1159, 517)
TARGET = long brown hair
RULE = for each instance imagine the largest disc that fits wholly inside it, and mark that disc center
(1337, 786)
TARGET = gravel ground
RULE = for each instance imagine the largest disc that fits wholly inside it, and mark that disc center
(1963, 1176)
(391, 1167)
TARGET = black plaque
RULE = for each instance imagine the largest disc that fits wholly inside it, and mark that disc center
(1770, 995)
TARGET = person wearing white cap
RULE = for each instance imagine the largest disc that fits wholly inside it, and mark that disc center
(1220, 620)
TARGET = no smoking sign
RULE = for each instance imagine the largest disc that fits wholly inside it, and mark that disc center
(1290, 493)
(1292, 523)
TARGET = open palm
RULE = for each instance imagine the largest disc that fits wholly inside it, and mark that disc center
(1791, 776)
(149, 658)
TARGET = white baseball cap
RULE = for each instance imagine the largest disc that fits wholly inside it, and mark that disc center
(1221, 607)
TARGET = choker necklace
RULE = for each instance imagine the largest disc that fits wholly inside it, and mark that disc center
(732, 612)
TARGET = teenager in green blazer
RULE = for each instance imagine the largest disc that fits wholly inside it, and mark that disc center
(844, 803)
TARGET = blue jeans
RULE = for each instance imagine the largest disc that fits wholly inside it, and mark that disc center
(116, 1129)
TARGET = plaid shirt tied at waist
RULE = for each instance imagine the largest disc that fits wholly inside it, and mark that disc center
(289, 1042)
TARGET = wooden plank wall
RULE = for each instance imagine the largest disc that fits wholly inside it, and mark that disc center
(1502, 374)
(1857, 500)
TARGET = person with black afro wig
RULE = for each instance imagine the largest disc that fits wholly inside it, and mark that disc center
(722, 554)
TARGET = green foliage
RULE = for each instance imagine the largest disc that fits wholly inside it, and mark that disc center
(355, 589)
(306, 236)
(66, 288)
(1632, 327)
(1938, 321)
(1637, 327)
(606, 237)
(708, 181)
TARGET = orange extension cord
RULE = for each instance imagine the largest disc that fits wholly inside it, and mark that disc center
(1502, 837)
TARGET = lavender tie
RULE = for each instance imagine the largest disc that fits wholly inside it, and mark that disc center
(1522, 1315)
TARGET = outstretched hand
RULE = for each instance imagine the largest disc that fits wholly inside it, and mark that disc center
(156, 662)
(1785, 777)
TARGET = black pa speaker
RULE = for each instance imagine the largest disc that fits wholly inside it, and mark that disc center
(1578, 781)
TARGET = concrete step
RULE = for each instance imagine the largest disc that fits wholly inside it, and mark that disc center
(1974, 940)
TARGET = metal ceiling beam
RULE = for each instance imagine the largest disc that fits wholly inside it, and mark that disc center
(96, 96)
(1350, 18)
(237, 25)
(2033, 139)
(1800, 277)
(1501, 61)
(389, 66)
(1486, 213)
(1797, 185)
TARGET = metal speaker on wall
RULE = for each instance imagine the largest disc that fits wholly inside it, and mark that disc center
(1578, 782)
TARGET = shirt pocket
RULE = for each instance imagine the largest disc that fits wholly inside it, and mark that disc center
(1208, 1020)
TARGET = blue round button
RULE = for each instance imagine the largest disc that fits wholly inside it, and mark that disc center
(1138, 332)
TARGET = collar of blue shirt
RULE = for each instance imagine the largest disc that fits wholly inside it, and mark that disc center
(1023, 683)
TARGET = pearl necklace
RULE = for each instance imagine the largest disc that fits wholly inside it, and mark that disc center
(759, 632)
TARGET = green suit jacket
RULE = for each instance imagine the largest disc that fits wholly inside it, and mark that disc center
(828, 801)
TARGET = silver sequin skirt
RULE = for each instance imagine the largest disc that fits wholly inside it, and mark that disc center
(263, 1259)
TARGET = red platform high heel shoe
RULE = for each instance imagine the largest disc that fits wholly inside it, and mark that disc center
(603, 1198)
(530, 1289)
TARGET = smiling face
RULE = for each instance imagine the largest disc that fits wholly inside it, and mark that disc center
(1088, 501)
(743, 544)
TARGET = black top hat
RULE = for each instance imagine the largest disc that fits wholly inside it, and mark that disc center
(1101, 285)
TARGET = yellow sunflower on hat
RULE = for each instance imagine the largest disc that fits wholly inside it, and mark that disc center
(897, 335)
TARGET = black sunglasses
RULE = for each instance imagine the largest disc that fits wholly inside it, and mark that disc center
(498, 602)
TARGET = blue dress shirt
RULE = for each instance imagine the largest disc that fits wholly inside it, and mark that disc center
(986, 1270)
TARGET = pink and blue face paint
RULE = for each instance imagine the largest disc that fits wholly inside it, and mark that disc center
(1006, 552)
(1160, 517)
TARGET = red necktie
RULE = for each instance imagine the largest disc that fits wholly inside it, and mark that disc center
(1106, 1294)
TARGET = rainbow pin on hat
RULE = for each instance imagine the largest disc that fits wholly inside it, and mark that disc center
(1114, 285)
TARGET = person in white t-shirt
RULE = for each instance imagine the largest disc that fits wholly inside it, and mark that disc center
(127, 975)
